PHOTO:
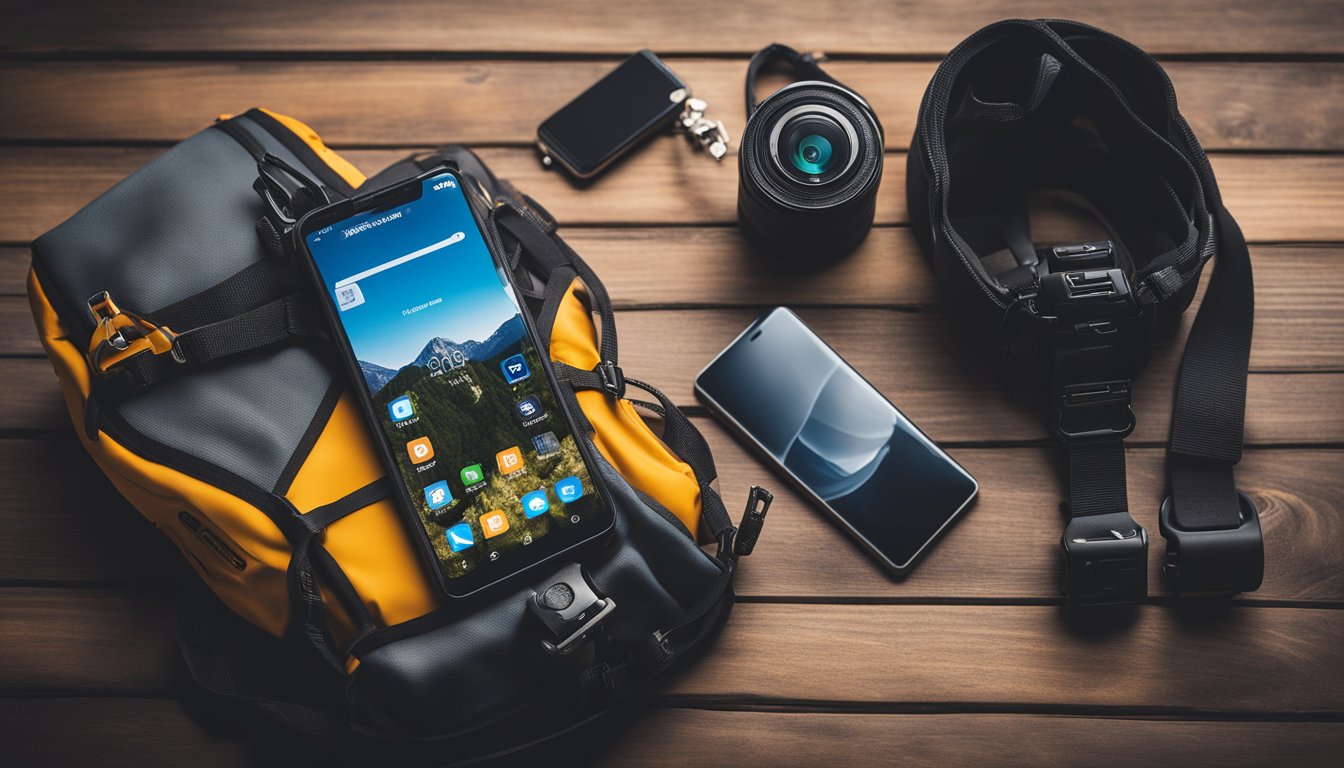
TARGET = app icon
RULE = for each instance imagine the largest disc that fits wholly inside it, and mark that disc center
(510, 460)
(437, 495)
(420, 450)
(569, 489)
(472, 475)
(401, 408)
(528, 409)
(535, 504)
(546, 443)
(349, 296)
(460, 537)
(515, 369)
(494, 523)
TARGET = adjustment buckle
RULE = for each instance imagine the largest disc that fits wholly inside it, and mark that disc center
(1221, 561)
(613, 380)
(1094, 410)
(569, 608)
(1088, 302)
(1105, 560)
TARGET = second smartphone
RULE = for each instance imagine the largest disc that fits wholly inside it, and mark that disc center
(836, 438)
(488, 467)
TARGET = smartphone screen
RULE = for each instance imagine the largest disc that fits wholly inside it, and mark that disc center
(487, 459)
(618, 110)
(836, 437)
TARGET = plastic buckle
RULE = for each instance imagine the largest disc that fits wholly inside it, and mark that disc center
(1094, 410)
(1105, 560)
(613, 380)
(1221, 561)
(1088, 303)
(570, 609)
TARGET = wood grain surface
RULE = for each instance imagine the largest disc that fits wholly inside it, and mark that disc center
(970, 659)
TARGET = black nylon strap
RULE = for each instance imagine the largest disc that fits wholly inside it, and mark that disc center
(285, 318)
(804, 66)
(318, 518)
(1097, 478)
(1208, 417)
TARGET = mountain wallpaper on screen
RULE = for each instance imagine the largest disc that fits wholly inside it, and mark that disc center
(467, 410)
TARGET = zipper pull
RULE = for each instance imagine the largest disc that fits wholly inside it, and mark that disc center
(753, 518)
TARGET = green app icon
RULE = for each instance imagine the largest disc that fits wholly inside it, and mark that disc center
(472, 475)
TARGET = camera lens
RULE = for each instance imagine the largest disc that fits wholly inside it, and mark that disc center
(811, 162)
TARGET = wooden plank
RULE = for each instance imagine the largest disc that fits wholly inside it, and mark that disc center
(1159, 659)
(1292, 408)
(1281, 198)
(14, 263)
(1296, 318)
(865, 26)
(65, 522)
(126, 732)
(55, 489)
(804, 740)
(138, 732)
(1230, 105)
(1012, 533)
(1247, 660)
(82, 641)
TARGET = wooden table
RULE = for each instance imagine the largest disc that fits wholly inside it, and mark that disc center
(971, 660)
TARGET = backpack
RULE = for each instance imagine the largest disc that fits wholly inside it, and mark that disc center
(197, 373)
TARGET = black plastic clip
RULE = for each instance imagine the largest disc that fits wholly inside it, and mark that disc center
(570, 609)
(1094, 410)
(613, 381)
(753, 519)
(1220, 561)
(1105, 560)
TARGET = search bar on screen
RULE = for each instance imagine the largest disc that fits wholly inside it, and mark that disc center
(456, 237)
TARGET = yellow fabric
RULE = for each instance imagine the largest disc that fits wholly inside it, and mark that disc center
(620, 432)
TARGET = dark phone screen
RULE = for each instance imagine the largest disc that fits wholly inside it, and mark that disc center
(614, 111)
(458, 389)
(837, 435)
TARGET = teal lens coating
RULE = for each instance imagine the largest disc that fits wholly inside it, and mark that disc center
(813, 155)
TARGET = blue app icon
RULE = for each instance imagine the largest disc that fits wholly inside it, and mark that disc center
(515, 369)
(529, 408)
(535, 504)
(437, 495)
(460, 537)
(401, 408)
(569, 489)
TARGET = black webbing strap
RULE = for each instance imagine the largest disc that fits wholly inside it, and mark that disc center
(804, 66)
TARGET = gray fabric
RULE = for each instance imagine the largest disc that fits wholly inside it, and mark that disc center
(183, 223)
(247, 417)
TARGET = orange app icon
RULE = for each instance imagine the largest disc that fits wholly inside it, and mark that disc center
(510, 460)
(420, 450)
(494, 523)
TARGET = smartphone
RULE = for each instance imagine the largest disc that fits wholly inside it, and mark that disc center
(836, 438)
(634, 101)
(458, 390)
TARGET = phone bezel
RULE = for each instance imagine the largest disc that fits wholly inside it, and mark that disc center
(554, 146)
(543, 550)
(798, 484)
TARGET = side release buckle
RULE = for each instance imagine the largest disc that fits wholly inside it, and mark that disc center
(569, 608)
(1220, 561)
(1105, 560)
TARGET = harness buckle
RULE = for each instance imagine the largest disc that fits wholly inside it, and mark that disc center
(613, 380)
(1105, 560)
(1094, 410)
(1221, 561)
